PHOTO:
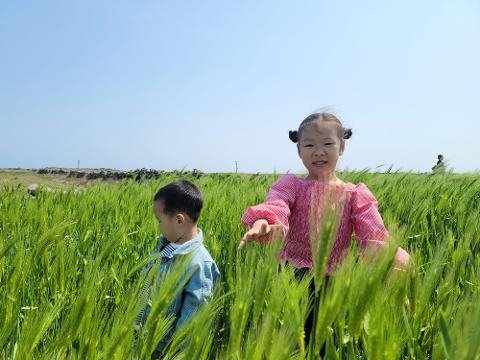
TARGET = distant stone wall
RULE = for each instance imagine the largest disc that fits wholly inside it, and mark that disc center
(113, 174)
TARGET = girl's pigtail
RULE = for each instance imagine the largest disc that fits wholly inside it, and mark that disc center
(347, 134)
(293, 135)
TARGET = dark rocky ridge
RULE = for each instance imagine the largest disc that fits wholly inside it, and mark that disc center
(114, 174)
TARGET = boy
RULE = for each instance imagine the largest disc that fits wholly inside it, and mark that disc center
(177, 207)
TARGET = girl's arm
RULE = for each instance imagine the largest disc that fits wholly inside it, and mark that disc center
(275, 211)
(368, 224)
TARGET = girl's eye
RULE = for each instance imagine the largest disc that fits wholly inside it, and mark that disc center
(328, 144)
(307, 145)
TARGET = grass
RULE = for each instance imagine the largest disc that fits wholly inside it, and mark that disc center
(24, 178)
(70, 274)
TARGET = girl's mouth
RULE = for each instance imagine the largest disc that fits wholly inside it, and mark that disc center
(319, 163)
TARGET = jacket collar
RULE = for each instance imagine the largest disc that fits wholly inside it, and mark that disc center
(183, 249)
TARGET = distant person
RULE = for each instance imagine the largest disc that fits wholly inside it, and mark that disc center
(177, 207)
(440, 166)
(289, 208)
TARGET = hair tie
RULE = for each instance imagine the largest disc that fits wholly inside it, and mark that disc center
(347, 134)
(293, 135)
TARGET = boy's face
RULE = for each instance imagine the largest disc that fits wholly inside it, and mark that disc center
(168, 224)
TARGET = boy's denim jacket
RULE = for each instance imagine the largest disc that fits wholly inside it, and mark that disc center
(197, 290)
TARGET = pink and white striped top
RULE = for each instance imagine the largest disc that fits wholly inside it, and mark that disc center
(289, 203)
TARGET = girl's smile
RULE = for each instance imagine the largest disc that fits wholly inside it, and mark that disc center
(319, 163)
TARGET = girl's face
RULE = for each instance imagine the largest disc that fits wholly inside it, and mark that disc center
(319, 148)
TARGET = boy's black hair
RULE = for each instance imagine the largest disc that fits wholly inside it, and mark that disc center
(182, 196)
(343, 133)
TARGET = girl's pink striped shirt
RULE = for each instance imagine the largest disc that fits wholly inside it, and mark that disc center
(289, 203)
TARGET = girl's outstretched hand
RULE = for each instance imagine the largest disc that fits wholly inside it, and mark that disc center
(260, 228)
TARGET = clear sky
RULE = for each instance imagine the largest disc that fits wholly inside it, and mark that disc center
(202, 84)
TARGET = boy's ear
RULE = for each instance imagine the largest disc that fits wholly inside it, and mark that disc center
(180, 218)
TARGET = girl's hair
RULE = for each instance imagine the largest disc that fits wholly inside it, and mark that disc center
(343, 133)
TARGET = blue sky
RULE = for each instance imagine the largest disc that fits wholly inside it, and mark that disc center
(190, 84)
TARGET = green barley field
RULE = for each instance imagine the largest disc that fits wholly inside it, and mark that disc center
(71, 273)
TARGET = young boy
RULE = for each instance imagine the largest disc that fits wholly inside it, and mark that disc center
(177, 207)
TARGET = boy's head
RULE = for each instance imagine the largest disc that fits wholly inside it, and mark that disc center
(177, 207)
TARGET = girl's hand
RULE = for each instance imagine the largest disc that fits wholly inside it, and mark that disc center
(402, 260)
(260, 228)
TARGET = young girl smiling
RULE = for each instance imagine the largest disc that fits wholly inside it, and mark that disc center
(288, 210)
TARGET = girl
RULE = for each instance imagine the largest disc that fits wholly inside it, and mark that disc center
(320, 142)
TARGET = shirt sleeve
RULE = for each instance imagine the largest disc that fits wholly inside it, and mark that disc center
(198, 290)
(367, 222)
(276, 210)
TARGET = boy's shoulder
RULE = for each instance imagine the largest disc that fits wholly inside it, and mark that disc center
(202, 259)
(196, 249)
(202, 262)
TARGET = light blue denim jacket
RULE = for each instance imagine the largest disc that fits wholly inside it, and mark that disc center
(196, 291)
